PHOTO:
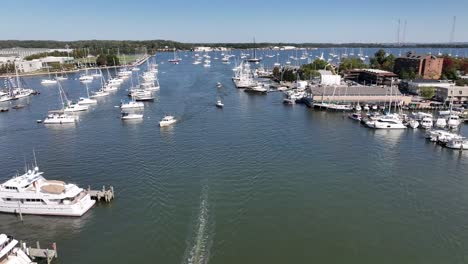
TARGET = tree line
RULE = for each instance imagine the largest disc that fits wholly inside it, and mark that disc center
(129, 46)
(451, 70)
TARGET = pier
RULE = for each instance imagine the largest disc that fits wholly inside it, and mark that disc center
(40, 253)
(105, 195)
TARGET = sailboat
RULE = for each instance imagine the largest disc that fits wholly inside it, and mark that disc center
(86, 100)
(176, 59)
(50, 80)
(63, 76)
(254, 59)
(59, 116)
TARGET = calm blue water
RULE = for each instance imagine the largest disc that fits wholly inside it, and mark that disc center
(255, 182)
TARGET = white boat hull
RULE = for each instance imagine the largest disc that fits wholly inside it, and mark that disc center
(77, 209)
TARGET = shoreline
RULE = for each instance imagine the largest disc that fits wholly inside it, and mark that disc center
(136, 63)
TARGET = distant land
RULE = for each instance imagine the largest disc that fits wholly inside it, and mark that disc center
(127, 46)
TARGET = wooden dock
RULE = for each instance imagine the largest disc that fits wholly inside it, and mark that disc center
(105, 195)
(41, 253)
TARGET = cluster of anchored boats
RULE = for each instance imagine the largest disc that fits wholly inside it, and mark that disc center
(14, 89)
(444, 129)
(146, 84)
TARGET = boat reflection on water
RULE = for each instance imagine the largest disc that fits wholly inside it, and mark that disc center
(388, 137)
(46, 228)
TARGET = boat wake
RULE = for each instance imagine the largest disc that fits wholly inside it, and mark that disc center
(200, 244)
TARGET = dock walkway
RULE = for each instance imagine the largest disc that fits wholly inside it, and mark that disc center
(106, 195)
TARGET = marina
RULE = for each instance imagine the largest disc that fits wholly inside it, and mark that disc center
(219, 182)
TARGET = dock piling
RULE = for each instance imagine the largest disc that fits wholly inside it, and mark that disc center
(105, 195)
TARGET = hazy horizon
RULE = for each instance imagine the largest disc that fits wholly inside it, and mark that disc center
(273, 21)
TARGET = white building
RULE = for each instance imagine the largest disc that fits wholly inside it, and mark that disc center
(61, 60)
(459, 94)
(415, 86)
(328, 78)
(288, 48)
(28, 66)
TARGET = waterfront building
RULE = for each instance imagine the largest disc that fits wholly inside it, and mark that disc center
(426, 66)
(370, 76)
(328, 78)
(28, 66)
(360, 93)
(414, 86)
(459, 94)
(24, 52)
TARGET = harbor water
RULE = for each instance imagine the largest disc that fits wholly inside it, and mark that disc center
(254, 182)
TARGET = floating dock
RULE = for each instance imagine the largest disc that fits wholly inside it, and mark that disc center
(105, 195)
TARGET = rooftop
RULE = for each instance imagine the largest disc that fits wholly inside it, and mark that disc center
(359, 90)
(324, 72)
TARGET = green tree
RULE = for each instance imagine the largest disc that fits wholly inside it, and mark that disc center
(427, 92)
(351, 63)
(112, 60)
(307, 71)
(289, 75)
(382, 61)
(277, 72)
(101, 60)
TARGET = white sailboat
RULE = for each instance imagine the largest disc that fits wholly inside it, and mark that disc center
(59, 117)
(86, 100)
(50, 80)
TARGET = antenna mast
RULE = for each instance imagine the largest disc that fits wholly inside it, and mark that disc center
(398, 32)
(452, 34)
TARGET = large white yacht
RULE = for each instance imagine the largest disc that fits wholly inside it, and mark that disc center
(31, 193)
(386, 122)
(10, 253)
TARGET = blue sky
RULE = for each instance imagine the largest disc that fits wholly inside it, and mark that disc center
(234, 21)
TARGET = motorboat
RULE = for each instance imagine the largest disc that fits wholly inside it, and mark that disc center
(340, 107)
(426, 123)
(86, 101)
(100, 93)
(142, 95)
(259, 88)
(355, 116)
(130, 116)
(219, 104)
(11, 252)
(366, 107)
(48, 81)
(445, 136)
(388, 122)
(458, 143)
(441, 122)
(31, 193)
(420, 116)
(219, 85)
(167, 121)
(86, 78)
(453, 121)
(413, 123)
(71, 107)
(131, 104)
(58, 118)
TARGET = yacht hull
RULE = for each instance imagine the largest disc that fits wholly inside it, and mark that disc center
(77, 209)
